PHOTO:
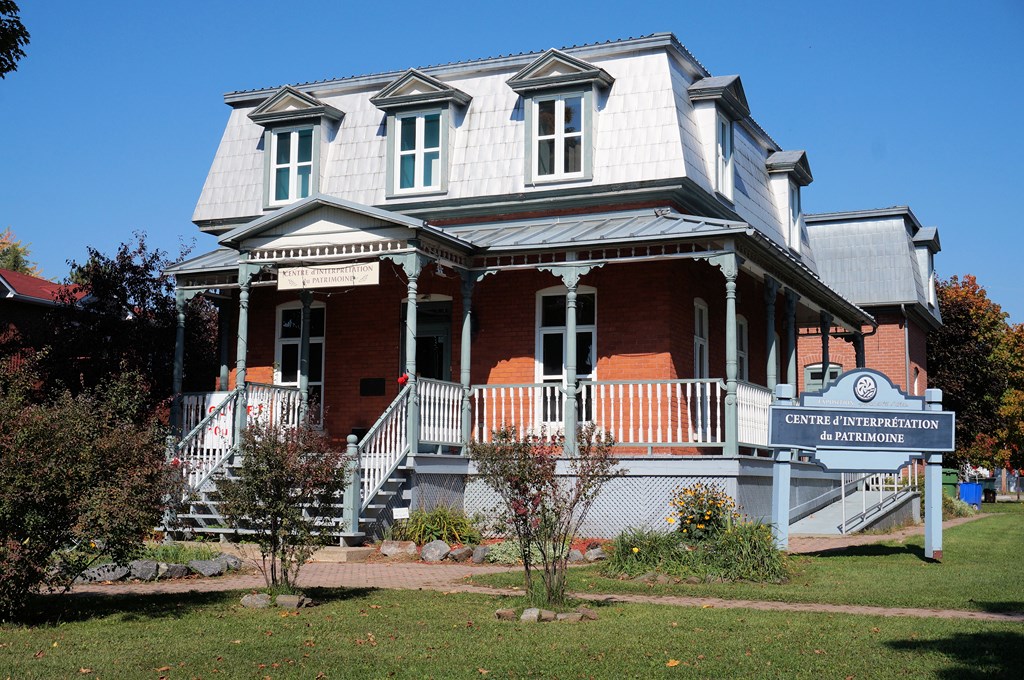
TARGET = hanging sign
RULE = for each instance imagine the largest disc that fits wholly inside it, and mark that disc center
(329, 276)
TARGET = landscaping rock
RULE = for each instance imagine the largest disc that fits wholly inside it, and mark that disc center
(395, 548)
(587, 613)
(595, 554)
(104, 572)
(575, 556)
(663, 579)
(231, 562)
(291, 601)
(480, 554)
(570, 617)
(694, 580)
(547, 615)
(505, 614)
(256, 601)
(435, 551)
(531, 615)
(166, 571)
(144, 570)
(649, 577)
(460, 554)
(213, 567)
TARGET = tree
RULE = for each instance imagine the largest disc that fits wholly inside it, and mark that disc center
(13, 37)
(285, 490)
(14, 255)
(80, 476)
(545, 506)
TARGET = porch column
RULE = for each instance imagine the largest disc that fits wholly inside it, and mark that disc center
(307, 300)
(825, 325)
(223, 326)
(731, 271)
(245, 273)
(179, 359)
(933, 489)
(465, 356)
(858, 349)
(771, 291)
(791, 360)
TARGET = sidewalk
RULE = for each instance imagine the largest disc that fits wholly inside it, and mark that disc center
(451, 578)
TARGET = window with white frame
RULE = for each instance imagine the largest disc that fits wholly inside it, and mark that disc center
(723, 163)
(742, 350)
(816, 376)
(287, 350)
(291, 169)
(417, 159)
(559, 143)
(700, 339)
(552, 345)
(794, 216)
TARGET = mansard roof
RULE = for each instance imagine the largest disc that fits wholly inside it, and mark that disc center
(292, 105)
(415, 88)
(555, 69)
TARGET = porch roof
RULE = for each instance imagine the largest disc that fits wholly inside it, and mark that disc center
(222, 259)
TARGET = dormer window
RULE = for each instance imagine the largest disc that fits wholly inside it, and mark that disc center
(719, 103)
(293, 122)
(558, 101)
(418, 109)
(788, 171)
(723, 157)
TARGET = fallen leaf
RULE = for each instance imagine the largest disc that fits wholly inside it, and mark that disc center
(482, 671)
(819, 651)
(374, 606)
(162, 669)
(236, 642)
(672, 663)
(54, 644)
(707, 606)
(85, 671)
(875, 630)
(39, 655)
(700, 657)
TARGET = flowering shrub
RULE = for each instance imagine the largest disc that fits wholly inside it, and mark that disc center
(700, 511)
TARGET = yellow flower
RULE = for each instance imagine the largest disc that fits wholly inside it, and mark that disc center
(684, 531)
(636, 550)
(700, 526)
(670, 520)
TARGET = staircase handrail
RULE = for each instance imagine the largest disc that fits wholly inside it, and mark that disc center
(215, 413)
(231, 400)
(370, 486)
(894, 497)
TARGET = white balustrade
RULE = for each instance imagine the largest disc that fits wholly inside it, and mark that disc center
(440, 412)
(382, 448)
(753, 403)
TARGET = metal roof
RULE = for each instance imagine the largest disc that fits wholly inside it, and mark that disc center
(222, 259)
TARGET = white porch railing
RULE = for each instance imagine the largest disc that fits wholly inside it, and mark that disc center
(752, 414)
(440, 412)
(636, 412)
(383, 447)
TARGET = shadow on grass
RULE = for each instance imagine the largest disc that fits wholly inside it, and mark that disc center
(1009, 607)
(64, 608)
(973, 655)
(873, 550)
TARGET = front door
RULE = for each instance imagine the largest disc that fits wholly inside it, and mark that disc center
(433, 340)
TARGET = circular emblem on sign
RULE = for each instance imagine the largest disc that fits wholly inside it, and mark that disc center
(865, 388)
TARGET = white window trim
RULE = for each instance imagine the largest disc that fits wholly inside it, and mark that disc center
(795, 213)
(541, 331)
(742, 349)
(825, 380)
(270, 146)
(280, 342)
(586, 135)
(724, 156)
(700, 307)
(394, 151)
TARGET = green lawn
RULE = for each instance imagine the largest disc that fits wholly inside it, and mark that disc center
(378, 634)
(981, 570)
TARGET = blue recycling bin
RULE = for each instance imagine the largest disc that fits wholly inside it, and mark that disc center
(970, 493)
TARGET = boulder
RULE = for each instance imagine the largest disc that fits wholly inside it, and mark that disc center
(595, 554)
(231, 562)
(480, 554)
(214, 567)
(166, 571)
(104, 572)
(256, 601)
(460, 554)
(144, 570)
(587, 613)
(505, 614)
(291, 601)
(394, 548)
(530, 615)
(575, 556)
(570, 617)
(435, 551)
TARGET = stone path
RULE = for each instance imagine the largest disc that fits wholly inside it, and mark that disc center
(452, 578)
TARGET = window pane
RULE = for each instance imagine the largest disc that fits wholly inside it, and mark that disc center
(281, 184)
(573, 160)
(431, 163)
(290, 363)
(303, 178)
(284, 148)
(316, 322)
(432, 131)
(305, 146)
(552, 349)
(408, 134)
(552, 310)
(546, 157)
(573, 114)
(546, 117)
(584, 354)
(316, 361)
(585, 304)
(291, 323)
(407, 171)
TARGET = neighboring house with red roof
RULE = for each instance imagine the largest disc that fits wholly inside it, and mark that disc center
(24, 301)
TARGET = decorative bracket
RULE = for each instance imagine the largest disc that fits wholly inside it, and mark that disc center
(411, 263)
(728, 263)
(571, 273)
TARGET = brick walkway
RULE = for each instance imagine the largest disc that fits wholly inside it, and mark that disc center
(452, 578)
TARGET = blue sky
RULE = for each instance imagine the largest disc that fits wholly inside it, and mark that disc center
(113, 118)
